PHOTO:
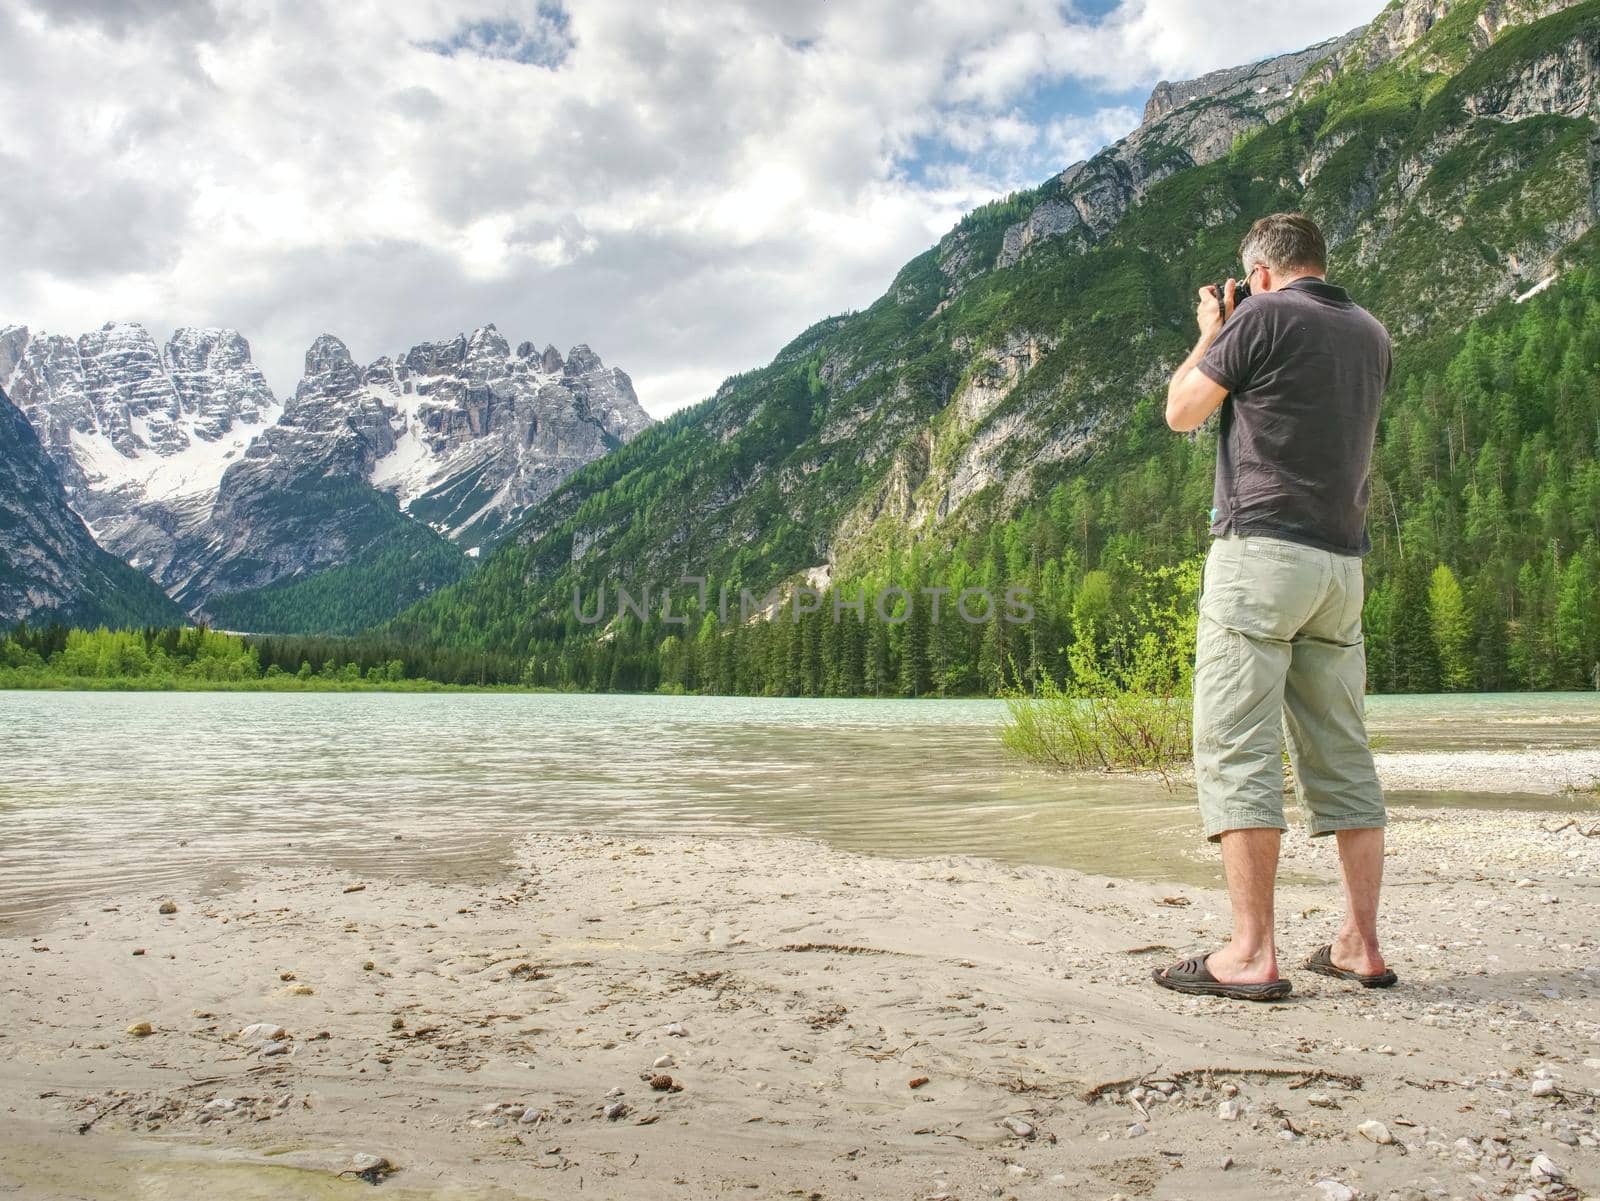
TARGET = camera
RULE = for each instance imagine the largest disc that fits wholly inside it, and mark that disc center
(1241, 293)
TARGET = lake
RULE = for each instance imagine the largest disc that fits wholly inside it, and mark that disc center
(102, 792)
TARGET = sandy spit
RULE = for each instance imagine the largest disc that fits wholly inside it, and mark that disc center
(517, 1040)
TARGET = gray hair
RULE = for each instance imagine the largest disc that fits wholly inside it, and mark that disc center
(1286, 242)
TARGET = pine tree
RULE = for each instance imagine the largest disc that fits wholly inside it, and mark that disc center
(1452, 630)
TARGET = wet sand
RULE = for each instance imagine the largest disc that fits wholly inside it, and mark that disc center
(512, 1037)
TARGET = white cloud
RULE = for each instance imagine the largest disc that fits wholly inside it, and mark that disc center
(683, 187)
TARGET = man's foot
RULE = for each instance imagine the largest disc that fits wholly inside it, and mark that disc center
(1351, 953)
(1231, 965)
(1195, 976)
(1322, 962)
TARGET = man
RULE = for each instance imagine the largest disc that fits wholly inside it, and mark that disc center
(1299, 370)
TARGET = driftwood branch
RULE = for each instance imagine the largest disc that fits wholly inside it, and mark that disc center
(1301, 1076)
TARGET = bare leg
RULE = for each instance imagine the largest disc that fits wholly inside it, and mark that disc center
(1361, 862)
(1250, 860)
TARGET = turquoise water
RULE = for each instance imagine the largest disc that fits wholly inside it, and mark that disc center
(103, 791)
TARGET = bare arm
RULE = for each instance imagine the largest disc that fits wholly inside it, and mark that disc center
(1192, 396)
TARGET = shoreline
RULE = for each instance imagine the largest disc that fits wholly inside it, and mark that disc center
(472, 1034)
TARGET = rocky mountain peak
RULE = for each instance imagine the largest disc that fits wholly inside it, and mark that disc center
(552, 360)
(581, 360)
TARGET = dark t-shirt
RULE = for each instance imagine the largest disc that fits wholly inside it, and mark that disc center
(1305, 368)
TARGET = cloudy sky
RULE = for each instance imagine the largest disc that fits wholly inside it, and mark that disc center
(684, 186)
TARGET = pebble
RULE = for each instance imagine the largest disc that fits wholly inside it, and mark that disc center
(1542, 1088)
(1543, 1169)
(1376, 1131)
(1018, 1127)
(1334, 1190)
(141, 1029)
(529, 1116)
(614, 1111)
(1137, 1130)
(665, 1061)
(676, 1030)
(1386, 1049)
(1228, 1111)
(167, 907)
(277, 1048)
(262, 1032)
(613, 1094)
(365, 1161)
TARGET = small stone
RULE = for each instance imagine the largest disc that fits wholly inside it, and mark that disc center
(259, 1032)
(1542, 1088)
(364, 1163)
(1165, 1087)
(167, 907)
(1376, 1131)
(1018, 1127)
(917, 1082)
(612, 1094)
(1386, 1049)
(1228, 1111)
(529, 1116)
(1137, 1130)
(277, 1048)
(138, 950)
(676, 1030)
(1524, 883)
(1138, 1093)
(1334, 1190)
(664, 1061)
(1225, 1163)
(614, 1111)
(1322, 1101)
(1543, 1169)
(141, 1029)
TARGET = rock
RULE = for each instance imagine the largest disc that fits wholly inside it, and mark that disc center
(664, 1061)
(676, 1030)
(1225, 1163)
(370, 1167)
(277, 1048)
(1543, 1169)
(529, 1116)
(1333, 1190)
(1017, 1127)
(1228, 1111)
(614, 1111)
(1542, 1088)
(1137, 1130)
(917, 1082)
(141, 1029)
(138, 950)
(167, 907)
(1386, 1049)
(257, 1032)
(612, 1094)
(1376, 1131)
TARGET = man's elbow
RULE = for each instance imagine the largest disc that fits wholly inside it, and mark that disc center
(1177, 420)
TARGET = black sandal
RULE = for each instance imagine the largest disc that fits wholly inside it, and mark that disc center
(1192, 976)
(1322, 961)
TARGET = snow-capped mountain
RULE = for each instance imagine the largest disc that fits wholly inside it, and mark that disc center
(183, 463)
(127, 422)
(482, 434)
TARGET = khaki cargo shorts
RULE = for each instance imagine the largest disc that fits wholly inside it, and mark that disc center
(1280, 640)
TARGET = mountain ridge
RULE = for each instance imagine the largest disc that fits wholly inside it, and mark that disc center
(1004, 361)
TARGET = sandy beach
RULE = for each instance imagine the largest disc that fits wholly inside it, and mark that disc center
(688, 1018)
